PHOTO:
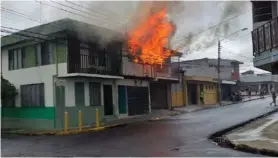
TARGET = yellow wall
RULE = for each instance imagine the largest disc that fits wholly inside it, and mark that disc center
(177, 99)
(180, 98)
(210, 93)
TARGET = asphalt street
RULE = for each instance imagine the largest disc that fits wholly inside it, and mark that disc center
(183, 135)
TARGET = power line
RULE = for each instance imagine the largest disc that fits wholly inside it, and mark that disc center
(26, 31)
(216, 25)
(227, 41)
(20, 34)
(65, 10)
(82, 6)
(27, 17)
(229, 51)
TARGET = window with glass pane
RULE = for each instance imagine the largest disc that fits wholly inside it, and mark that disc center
(61, 51)
(46, 53)
(28, 56)
(79, 94)
(94, 91)
(11, 60)
(32, 95)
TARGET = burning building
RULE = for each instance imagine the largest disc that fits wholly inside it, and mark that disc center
(72, 69)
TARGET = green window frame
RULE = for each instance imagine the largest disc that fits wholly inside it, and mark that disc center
(95, 94)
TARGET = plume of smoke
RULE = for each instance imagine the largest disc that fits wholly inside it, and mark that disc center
(146, 8)
(210, 38)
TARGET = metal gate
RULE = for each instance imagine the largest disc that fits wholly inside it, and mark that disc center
(138, 100)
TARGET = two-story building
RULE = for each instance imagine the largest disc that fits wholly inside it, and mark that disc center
(257, 82)
(201, 75)
(71, 66)
(265, 35)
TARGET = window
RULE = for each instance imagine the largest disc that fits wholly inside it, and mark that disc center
(62, 53)
(14, 59)
(94, 91)
(29, 56)
(79, 94)
(11, 60)
(47, 53)
(32, 95)
(102, 59)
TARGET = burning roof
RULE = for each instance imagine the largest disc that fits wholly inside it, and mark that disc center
(147, 42)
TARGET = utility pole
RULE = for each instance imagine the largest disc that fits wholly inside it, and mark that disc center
(218, 73)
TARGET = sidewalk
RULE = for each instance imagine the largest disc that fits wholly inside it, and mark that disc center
(154, 116)
(192, 108)
(259, 136)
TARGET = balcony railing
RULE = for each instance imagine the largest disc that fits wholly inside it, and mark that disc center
(165, 71)
(265, 37)
(95, 64)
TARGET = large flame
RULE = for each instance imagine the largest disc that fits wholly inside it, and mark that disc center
(147, 43)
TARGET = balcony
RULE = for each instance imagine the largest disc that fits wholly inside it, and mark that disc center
(265, 45)
(131, 69)
(95, 64)
(265, 37)
(166, 72)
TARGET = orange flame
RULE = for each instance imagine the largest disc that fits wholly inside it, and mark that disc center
(147, 43)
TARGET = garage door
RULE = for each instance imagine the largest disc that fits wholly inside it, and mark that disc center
(138, 100)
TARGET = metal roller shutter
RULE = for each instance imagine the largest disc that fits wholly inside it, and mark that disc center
(138, 100)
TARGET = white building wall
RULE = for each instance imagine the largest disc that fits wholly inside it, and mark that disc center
(69, 90)
(40, 74)
(135, 69)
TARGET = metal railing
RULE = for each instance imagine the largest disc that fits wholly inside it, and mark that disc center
(96, 64)
(166, 71)
(265, 37)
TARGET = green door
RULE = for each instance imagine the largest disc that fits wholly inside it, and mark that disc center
(122, 99)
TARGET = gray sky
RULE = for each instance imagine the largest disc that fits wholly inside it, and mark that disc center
(194, 17)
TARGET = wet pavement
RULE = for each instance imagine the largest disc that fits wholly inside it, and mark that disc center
(183, 135)
(261, 134)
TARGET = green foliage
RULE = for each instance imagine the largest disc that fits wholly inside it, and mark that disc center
(8, 93)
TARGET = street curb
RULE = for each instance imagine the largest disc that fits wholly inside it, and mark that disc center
(56, 133)
(220, 139)
(85, 130)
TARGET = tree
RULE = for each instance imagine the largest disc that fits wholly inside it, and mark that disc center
(8, 93)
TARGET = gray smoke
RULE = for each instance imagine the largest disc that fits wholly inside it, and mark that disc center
(210, 38)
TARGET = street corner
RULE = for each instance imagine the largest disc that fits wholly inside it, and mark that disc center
(260, 136)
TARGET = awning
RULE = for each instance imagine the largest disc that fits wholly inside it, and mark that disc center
(90, 75)
(167, 79)
(228, 82)
(199, 78)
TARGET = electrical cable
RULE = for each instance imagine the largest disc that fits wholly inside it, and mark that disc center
(65, 10)
(225, 21)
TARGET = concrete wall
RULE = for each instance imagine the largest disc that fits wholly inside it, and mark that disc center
(139, 70)
(264, 59)
(29, 117)
(39, 74)
(89, 112)
(209, 69)
(255, 78)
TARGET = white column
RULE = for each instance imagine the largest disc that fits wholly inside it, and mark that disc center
(115, 98)
(150, 108)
